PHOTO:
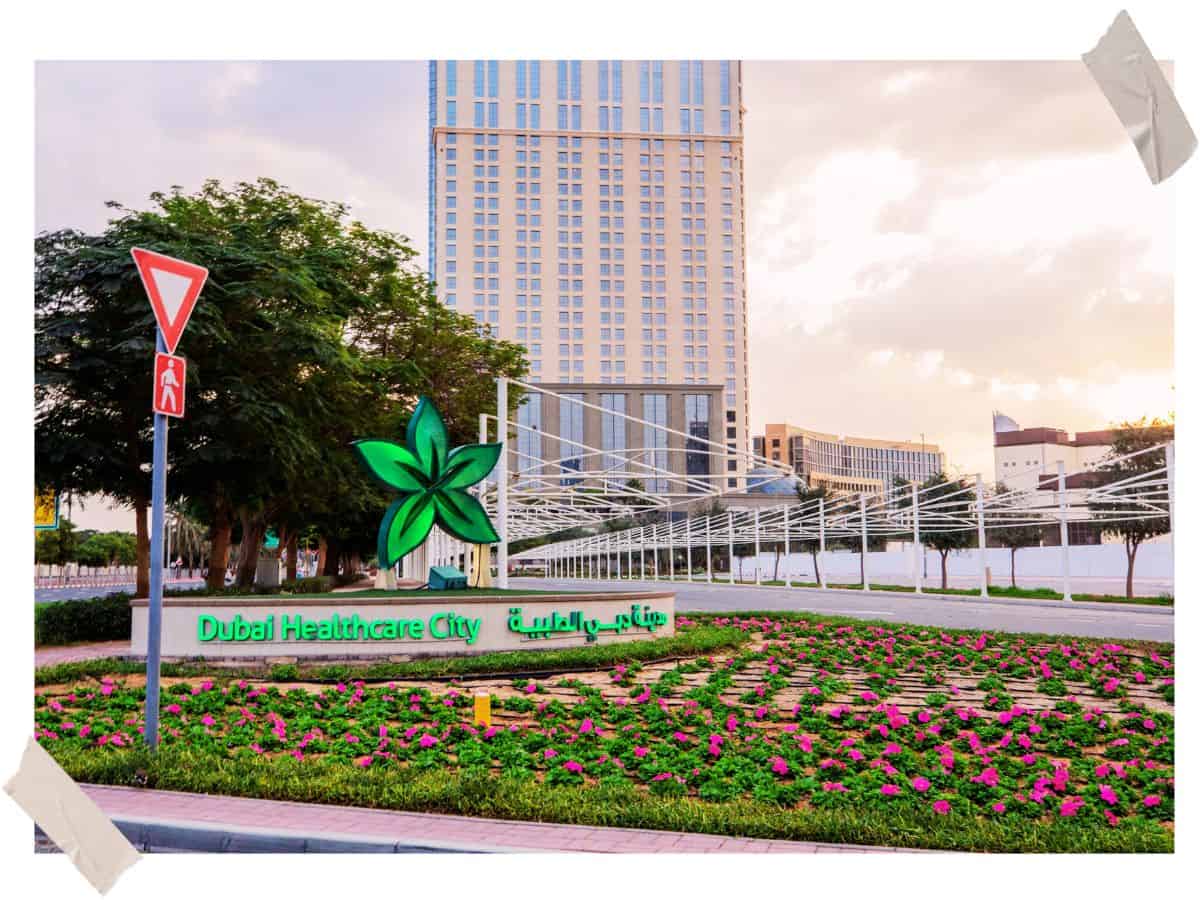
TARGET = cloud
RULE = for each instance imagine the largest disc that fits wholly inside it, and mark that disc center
(929, 240)
(118, 131)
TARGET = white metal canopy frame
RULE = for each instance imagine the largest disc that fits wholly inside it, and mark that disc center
(1131, 489)
(586, 486)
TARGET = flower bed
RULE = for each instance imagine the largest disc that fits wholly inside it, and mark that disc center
(904, 723)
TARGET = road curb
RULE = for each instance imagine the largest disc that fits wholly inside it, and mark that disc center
(183, 836)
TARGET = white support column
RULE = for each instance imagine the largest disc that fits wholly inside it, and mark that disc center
(757, 550)
(730, 535)
(654, 543)
(688, 544)
(787, 550)
(502, 483)
(617, 553)
(671, 548)
(1063, 534)
(983, 585)
(918, 554)
(862, 508)
(642, 545)
(821, 547)
(708, 545)
(1171, 497)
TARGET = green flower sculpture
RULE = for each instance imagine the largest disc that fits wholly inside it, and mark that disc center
(432, 481)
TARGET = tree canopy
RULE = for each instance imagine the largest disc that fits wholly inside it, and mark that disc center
(312, 330)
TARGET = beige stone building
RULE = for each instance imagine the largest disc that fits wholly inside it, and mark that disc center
(592, 210)
(851, 464)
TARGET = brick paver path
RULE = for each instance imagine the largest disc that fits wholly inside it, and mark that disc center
(173, 808)
(49, 656)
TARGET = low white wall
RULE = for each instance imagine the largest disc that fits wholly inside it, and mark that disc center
(1154, 562)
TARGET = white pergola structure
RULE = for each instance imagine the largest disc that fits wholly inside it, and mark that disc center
(547, 496)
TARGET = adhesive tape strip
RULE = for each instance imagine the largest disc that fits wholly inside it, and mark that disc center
(70, 818)
(1140, 96)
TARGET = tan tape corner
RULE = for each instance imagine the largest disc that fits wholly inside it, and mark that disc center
(1139, 94)
(70, 818)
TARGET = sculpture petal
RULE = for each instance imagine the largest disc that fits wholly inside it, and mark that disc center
(468, 465)
(463, 516)
(427, 439)
(392, 464)
(405, 526)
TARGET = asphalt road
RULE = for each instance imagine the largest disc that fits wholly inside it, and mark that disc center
(1103, 620)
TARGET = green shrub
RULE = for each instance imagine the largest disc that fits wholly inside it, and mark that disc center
(75, 621)
(316, 584)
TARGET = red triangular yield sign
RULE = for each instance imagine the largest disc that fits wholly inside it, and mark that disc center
(172, 286)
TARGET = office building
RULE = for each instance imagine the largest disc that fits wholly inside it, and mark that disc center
(592, 210)
(848, 464)
(1024, 454)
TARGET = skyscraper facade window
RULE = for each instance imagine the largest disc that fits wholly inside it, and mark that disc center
(610, 245)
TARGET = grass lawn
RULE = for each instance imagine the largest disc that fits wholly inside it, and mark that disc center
(790, 726)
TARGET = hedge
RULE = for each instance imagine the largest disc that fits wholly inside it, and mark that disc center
(75, 621)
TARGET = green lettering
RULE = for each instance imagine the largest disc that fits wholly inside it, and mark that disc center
(309, 630)
(472, 626)
(439, 617)
(325, 630)
(258, 631)
(206, 627)
(293, 625)
(416, 628)
(389, 629)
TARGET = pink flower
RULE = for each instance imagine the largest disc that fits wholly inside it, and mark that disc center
(571, 766)
(999, 808)
(941, 807)
(173, 708)
(921, 784)
(363, 761)
(351, 738)
(586, 726)
(639, 752)
(1107, 794)
(1152, 800)
(106, 689)
(779, 765)
(889, 790)
(1148, 724)
(530, 688)
(834, 786)
(207, 719)
(1070, 806)
(427, 741)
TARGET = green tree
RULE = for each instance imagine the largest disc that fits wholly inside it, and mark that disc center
(808, 497)
(948, 515)
(1015, 536)
(312, 331)
(57, 546)
(1129, 487)
(109, 548)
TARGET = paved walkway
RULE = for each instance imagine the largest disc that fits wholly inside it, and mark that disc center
(348, 828)
(49, 656)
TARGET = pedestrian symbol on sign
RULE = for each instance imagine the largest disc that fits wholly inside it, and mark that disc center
(170, 377)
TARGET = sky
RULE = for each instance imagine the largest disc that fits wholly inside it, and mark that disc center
(926, 242)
